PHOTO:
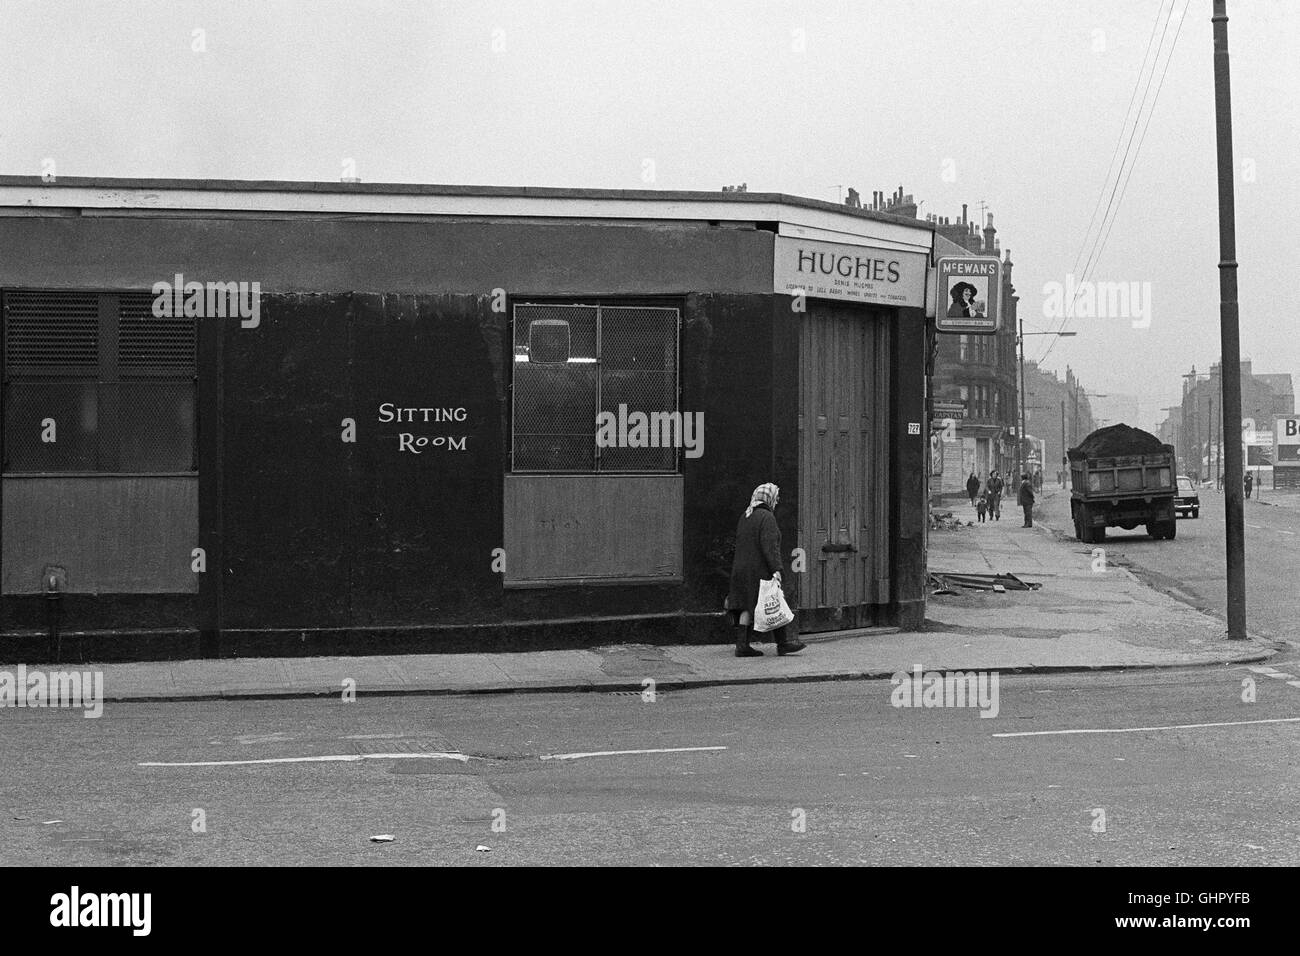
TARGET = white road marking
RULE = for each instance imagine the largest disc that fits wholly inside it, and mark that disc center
(1257, 527)
(1136, 730)
(621, 753)
(329, 758)
(1280, 531)
(352, 758)
(1276, 674)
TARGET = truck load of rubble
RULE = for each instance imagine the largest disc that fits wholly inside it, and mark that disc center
(1116, 441)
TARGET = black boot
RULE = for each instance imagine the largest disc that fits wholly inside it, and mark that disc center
(785, 644)
(742, 643)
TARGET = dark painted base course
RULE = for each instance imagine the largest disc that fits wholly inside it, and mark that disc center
(133, 645)
(30, 646)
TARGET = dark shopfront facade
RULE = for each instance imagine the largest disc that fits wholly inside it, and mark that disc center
(392, 442)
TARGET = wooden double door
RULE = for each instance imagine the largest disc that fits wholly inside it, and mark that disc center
(843, 466)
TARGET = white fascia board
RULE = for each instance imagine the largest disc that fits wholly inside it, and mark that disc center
(837, 227)
(865, 232)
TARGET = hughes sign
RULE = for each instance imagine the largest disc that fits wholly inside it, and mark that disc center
(832, 270)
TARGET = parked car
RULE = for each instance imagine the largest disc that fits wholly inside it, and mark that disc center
(1187, 502)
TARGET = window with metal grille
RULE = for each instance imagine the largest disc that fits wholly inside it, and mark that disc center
(94, 382)
(574, 362)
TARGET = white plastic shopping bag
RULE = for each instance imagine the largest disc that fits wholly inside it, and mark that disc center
(771, 611)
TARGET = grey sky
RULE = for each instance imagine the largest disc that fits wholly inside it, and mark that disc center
(1025, 98)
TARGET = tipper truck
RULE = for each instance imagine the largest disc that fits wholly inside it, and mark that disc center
(1122, 477)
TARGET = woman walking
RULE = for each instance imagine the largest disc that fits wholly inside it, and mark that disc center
(758, 557)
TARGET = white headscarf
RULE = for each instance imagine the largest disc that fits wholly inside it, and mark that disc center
(763, 495)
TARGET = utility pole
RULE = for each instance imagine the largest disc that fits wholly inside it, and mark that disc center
(1064, 466)
(1190, 391)
(1229, 331)
(1209, 427)
(1217, 427)
(1020, 432)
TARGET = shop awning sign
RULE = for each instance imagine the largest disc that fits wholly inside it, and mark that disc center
(847, 273)
(969, 288)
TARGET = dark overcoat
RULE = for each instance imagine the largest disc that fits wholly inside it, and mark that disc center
(1026, 496)
(758, 556)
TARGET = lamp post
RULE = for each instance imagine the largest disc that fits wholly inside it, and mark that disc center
(1020, 429)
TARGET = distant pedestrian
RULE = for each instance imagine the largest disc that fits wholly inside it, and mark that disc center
(996, 485)
(1250, 483)
(972, 487)
(982, 506)
(1026, 500)
(758, 558)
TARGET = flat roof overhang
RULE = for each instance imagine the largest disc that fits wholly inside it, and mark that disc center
(797, 216)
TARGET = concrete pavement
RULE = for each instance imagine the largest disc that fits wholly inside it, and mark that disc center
(1275, 499)
(1086, 616)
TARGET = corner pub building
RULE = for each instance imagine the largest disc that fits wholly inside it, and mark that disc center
(269, 418)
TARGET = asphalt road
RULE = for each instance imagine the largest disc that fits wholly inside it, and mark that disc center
(1191, 567)
(808, 773)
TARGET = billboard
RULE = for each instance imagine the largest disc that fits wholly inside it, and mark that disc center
(1286, 443)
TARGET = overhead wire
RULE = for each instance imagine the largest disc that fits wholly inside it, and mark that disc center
(1120, 138)
(1113, 205)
